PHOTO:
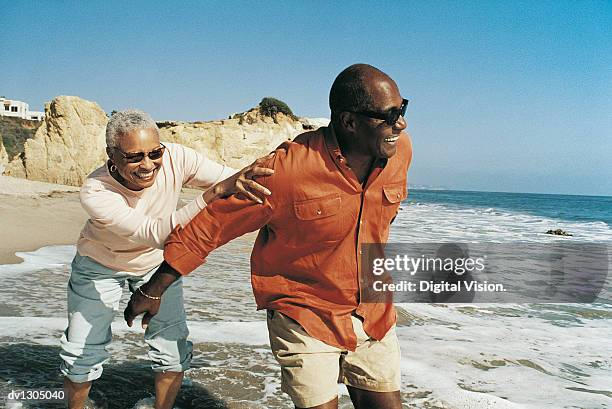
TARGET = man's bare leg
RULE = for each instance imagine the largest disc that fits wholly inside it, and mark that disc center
(167, 385)
(76, 393)
(363, 399)
(332, 404)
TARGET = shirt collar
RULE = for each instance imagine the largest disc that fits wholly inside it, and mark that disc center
(333, 147)
(331, 141)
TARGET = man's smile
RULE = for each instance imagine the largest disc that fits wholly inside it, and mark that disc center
(392, 139)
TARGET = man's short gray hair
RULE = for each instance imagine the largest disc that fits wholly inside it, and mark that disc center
(123, 122)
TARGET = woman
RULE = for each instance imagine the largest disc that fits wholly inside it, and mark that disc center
(132, 202)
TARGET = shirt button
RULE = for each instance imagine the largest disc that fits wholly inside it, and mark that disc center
(398, 195)
(360, 252)
(318, 211)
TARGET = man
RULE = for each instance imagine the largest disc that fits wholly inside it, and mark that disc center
(333, 189)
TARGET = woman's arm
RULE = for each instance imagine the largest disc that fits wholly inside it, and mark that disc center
(110, 210)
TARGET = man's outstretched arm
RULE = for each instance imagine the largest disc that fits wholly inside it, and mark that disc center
(188, 247)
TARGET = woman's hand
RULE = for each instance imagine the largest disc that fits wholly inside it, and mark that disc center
(242, 182)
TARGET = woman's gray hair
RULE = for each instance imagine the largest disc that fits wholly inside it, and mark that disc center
(123, 122)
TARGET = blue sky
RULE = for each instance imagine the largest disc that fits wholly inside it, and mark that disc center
(505, 96)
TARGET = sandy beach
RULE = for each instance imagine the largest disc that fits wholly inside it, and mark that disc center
(37, 214)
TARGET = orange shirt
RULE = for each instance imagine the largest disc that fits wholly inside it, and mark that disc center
(306, 260)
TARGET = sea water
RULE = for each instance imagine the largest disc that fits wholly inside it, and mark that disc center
(453, 355)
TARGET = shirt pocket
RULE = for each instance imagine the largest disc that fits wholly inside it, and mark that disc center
(319, 219)
(393, 194)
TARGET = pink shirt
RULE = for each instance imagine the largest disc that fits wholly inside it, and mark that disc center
(127, 229)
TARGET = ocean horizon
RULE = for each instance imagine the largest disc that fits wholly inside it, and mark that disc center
(553, 205)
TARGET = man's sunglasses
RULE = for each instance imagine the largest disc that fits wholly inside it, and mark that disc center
(136, 157)
(390, 117)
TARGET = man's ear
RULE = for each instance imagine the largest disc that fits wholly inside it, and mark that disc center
(109, 152)
(347, 121)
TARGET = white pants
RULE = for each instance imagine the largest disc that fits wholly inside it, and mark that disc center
(94, 292)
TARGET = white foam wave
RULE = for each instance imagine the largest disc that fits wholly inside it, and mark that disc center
(248, 333)
(471, 359)
(463, 355)
(49, 257)
(418, 222)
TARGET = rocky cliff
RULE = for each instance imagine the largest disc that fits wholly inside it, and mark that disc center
(239, 140)
(70, 143)
(67, 146)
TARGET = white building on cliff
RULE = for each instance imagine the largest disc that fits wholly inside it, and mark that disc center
(19, 109)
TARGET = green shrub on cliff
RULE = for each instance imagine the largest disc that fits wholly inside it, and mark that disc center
(271, 106)
(14, 132)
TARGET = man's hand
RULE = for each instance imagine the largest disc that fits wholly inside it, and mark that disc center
(140, 304)
(147, 298)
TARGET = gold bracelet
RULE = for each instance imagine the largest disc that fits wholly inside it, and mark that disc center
(148, 296)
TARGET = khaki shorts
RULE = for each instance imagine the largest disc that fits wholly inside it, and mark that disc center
(311, 369)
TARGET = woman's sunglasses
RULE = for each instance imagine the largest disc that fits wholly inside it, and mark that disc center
(136, 157)
(390, 117)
